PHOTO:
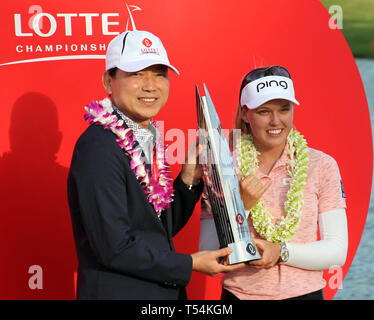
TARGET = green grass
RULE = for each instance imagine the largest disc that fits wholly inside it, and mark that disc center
(358, 25)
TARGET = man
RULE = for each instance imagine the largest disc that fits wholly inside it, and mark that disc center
(123, 231)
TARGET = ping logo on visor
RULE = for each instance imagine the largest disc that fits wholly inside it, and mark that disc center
(262, 90)
(266, 84)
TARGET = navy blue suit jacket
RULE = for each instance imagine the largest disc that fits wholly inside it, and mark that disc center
(124, 250)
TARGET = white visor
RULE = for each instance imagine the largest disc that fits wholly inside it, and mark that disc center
(262, 90)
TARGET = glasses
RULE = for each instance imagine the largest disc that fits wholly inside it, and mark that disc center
(266, 71)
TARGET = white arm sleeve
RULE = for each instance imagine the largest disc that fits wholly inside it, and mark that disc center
(208, 235)
(330, 251)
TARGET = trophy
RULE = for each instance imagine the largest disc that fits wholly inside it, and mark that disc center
(222, 184)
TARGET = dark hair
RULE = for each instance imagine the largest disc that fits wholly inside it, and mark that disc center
(263, 72)
(112, 72)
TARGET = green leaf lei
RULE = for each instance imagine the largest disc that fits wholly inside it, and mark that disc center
(298, 154)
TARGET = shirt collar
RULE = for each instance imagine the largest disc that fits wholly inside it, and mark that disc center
(281, 162)
(145, 137)
(141, 134)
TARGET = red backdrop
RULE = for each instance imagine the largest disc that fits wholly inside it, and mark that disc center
(215, 42)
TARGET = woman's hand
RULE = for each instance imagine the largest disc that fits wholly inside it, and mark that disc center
(269, 251)
(251, 190)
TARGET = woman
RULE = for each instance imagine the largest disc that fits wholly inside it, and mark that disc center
(289, 192)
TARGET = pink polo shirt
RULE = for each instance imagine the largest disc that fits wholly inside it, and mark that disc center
(323, 192)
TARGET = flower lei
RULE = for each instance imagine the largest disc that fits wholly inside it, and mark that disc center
(297, 169)
(159, 191)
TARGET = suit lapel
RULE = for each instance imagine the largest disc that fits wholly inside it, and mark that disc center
(166, 218)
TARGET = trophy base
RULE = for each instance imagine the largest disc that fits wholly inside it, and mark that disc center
(243, 251)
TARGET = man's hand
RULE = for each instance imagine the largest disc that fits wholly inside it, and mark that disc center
(206, 262)
(251, 190)
(269, 252)
(192, 170)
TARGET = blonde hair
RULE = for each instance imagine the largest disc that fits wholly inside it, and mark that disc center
(239, 124)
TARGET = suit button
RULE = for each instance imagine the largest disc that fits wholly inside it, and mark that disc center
(170, 284)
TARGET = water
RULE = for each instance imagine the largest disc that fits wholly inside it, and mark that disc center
(359, 281)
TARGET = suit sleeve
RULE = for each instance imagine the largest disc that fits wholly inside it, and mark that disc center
(98, 175)
(184, 203)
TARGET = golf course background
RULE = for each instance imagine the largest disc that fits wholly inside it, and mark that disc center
(358, 24)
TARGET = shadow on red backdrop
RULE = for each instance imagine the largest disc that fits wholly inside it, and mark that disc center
(35, 227)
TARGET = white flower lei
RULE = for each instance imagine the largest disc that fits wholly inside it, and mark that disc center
(298, 154)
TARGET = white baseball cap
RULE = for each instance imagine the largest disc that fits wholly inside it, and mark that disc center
(267, 88)
(136, 50)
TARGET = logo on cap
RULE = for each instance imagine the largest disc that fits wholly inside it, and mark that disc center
(147, 42)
